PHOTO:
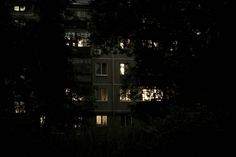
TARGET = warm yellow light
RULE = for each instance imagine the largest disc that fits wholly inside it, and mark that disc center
(152, 94)
(42, 121)
(122, 68)
(104, 120)
(16, 8)
(22, 8)
(19, 8)
(101, 120)
(80, 43)
(198, 33)
(19, 107)
(125, 95)
(122, 45)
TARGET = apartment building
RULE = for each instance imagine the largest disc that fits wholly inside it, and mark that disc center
(23, 12)
(76, 28)
(108, 70)
(23, 15)
(101, 72)
(95, 75)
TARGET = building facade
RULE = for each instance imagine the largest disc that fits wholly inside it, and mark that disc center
(95, 75)
(18, 80)
(76, 28)
(108, 70)
(101, 72)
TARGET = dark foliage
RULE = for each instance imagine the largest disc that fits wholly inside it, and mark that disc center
(176, 43)
(183, 48)
(33, 58)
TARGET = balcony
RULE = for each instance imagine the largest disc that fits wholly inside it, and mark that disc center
(80, 52)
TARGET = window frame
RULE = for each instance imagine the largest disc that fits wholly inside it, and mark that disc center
(101, 69)
(101, 120)
(19, 8)
(125, 68)
(99, 96)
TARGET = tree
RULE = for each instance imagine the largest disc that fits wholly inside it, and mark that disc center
(17, 62)
(173, 43)
(33, 67)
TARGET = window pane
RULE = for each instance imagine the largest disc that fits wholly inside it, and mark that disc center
(101, 120)
(97, 94)
(16, 8)
(77, 39)
(104, 120)
(98, 120)
(104, 68)
(101, 69)
(104, 94)
(22, 8)
(101, 94)
(98, 68)
(122, 68)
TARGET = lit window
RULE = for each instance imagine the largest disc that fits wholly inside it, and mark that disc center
(77, 39)
(67, 91)
(80, 43)
(123, 68)
(101, 120)
(197, 32)
(19, 8)
(75, 97)
(150, 44)
(42, 121)
(19, 107)
(101, 94)
(155, 44)
(16, 8)
(152, 94)
(101, 69)
(22, 8)
(122, 45)
(125, 95)
(125, 43)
